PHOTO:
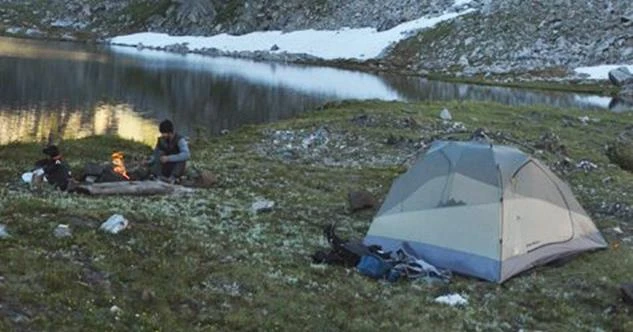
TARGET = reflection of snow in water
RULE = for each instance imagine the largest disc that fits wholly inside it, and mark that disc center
(600, 72)
(339, 83)
(599, 101)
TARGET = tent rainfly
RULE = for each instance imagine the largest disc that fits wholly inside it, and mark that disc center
(488, 211)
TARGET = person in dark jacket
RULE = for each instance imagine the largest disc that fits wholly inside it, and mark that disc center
(56, 170)
(169, 160)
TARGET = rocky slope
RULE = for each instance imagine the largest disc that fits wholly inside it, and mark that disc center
(546, 38)
(531, 38)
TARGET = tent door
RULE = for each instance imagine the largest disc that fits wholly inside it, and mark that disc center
(537, 211)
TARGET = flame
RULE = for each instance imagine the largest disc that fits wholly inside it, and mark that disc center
(119, 165)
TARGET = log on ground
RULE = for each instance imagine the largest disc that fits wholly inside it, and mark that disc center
(138, 188)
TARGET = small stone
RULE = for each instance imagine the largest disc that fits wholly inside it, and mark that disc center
(586, 165)
(148, 295)
(359, 200)
(274, 48)
(62, 231)
(206, 179)
(583, 119)
(3, 232)
(446, 115)
(262, 205)
(115, 224)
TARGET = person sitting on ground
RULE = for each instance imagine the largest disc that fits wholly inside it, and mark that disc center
(55, 169)
(170, 155)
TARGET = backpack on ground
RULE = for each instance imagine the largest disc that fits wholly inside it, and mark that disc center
(342, 252)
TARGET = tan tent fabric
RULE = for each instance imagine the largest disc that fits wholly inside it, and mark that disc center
(484, 210)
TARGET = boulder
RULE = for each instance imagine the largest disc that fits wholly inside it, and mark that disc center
(620, 151)
(446, 115)
(621, 76)
(262, 205)
(205, 179)
(62, 231)
(359, 200)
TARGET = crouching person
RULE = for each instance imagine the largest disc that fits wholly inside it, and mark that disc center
(169, 160)
(53, 168)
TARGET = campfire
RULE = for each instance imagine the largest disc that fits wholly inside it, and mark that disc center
(118, 166)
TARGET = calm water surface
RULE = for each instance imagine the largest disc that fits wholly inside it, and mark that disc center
(78, 90)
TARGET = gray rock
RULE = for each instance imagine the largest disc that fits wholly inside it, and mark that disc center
(13, 30)
(181, 48)
(446, 115)
(3, 232)
(463, 61)
(621, 76)
(274, 48)
(62, 231)
(262, 205)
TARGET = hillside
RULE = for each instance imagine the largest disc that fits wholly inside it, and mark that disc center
(537, 38)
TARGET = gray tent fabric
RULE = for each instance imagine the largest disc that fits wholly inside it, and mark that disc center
(489, 211)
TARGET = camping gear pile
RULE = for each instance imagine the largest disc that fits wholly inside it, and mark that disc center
(477, 209)
(375, 263)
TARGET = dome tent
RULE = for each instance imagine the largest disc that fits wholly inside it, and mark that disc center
(489, 211)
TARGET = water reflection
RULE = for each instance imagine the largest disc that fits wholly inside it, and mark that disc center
(79, 90)
(423, 89)
(36, 124)
(323, 81)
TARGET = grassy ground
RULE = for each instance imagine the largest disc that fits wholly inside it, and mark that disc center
(206, 262)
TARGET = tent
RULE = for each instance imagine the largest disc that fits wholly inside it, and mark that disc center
(489, 211)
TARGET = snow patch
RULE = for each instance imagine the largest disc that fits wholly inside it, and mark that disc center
(346, 43)
(600, 72)
(599, 101)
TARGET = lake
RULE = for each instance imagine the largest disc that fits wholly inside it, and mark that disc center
(76, 90)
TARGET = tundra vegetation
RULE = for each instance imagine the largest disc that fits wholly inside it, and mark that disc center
(206, 261)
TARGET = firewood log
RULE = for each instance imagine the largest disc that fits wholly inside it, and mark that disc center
(139, 188)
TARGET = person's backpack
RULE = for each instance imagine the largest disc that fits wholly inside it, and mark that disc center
(342, 252)
(374, 266)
